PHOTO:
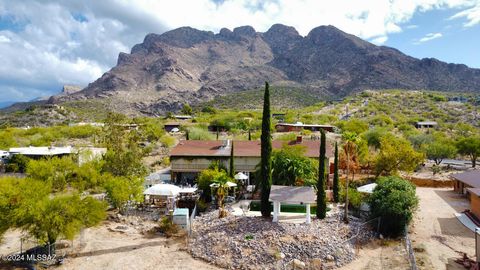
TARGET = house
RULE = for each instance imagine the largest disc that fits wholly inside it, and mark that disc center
(171, 125)
(468, 183)
(279, 116)
(189, 158)
(38, 152)
(299, 126)
(426, 124)
(183, 117)
(85, 154)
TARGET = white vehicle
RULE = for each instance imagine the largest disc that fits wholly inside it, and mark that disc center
(4, 154)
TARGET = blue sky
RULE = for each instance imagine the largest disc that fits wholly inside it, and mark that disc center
(45, 44)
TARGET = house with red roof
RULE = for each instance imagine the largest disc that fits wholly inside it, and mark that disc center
(189, 158)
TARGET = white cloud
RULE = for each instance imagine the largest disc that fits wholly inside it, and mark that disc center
(379, 40)
(51, 45)
(428, 37)
(472, 15)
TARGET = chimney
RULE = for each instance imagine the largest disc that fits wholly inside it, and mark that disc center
(299, 139)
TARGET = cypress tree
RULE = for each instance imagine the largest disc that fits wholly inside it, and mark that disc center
(249, 135)
(187, 136)
(266, 156)
(217, 133)
(232, 166)
(336, 182)
(321, 196)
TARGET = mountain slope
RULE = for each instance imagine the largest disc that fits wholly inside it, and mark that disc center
(186, 65)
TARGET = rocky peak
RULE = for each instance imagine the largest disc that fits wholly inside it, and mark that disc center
(246, 30)
(281, 37)
(330, 35)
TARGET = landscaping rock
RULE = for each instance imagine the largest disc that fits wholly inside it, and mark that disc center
(241, 242)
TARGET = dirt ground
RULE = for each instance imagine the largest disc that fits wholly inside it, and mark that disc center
(103, 247)
(438, 232)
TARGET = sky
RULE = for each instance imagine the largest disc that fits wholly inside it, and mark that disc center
(45, 44)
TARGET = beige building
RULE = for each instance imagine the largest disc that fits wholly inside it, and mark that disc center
(189, 158)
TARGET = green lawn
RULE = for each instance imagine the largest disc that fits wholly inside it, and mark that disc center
(288, 208)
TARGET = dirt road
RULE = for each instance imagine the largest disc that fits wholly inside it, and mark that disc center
(438, 231)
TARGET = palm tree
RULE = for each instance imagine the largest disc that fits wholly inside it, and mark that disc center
(350, 148)
(221, 184)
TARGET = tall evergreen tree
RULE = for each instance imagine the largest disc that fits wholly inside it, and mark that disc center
(232, 165)
(187, 135)
(321, 195)
(249, 135)
(217, 133)
(266, 155)
(336, 182)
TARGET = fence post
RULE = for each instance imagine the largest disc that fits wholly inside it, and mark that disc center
(378, 224)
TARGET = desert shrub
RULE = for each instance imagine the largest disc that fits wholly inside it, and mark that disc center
(394, 201)
(355, 198)
(168, 140)
(168, 227)
(287, 137)
(197, 133)
(17, 164)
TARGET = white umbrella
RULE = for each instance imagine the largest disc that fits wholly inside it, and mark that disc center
(367, 188)
(229, 184)
(240, 176)
(163, 190)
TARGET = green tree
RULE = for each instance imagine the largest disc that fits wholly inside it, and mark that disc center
(17, 164)
(350, 149)
(396, 154)
(124, 156)
(469, 147)
(222, 187)
(439, 150)
(206, 178)
(291, 167)
(321, 195)
(120, 190)
(266, 155)
(187, 109)
(232, 163)
(394, 201)
(354, 125)
(64, 215)
(18, 200)
(336, 180)
(57, 171)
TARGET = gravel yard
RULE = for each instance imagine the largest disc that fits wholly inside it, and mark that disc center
(238, 242)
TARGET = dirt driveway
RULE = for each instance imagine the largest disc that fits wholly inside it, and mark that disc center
(438, 232)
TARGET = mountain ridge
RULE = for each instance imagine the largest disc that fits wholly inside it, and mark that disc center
(186, 65)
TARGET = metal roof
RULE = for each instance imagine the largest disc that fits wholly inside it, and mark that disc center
(471, 178)
(41, 151)
(242, 148)
(293, 194)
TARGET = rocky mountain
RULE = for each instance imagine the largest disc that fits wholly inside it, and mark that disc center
(187, 65)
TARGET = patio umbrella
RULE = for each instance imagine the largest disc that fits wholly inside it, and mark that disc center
(229, 184)
(367, 188)
(240, 176)
(163, 190)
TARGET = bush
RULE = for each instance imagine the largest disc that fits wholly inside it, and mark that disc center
(167, 140)
(394, 201)
(168, 227)
(196, 133)
(17, 163)
(355, 198)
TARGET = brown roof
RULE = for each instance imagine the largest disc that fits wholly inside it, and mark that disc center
(241, 148)
(471, 178)
(293, 194)
(475, 191)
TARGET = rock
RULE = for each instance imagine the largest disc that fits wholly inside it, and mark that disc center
(298, 264)
(330, 258)
(316, 264)
(282, 255)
